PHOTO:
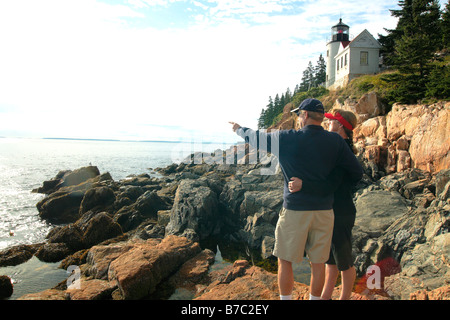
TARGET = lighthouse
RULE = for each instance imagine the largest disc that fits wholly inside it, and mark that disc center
(339, 35)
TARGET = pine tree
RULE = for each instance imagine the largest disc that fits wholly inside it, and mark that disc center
(415, 41)
(388, 42)
(421, 38)
(304, 84)
(446, 26)
(270, 113)
(261, 119)
(288, 95)
(312, 77)
(320, 71)
(310, 73)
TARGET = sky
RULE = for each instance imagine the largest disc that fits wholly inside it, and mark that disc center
(160, 69)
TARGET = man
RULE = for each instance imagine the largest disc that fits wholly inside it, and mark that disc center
(305, 223)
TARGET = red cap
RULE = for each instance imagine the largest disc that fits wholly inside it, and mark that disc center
(339, 118)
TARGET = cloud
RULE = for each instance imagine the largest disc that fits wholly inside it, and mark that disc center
(105, 68)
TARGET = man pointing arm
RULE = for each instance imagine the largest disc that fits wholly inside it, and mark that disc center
(306, 222)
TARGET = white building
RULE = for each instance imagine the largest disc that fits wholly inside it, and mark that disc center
(347, 59)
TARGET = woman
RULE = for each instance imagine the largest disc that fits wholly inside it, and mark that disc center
(341, 260)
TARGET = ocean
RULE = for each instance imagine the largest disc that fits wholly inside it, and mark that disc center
(26, 163)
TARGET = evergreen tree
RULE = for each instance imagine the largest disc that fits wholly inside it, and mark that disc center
(261, 119)
(310, 73)
(415, 41)
(420, 38)
(288, 95)
(307, 78)
(388, 42)
(320, 71)
(446, 26)
(312, 77)
(270, 113)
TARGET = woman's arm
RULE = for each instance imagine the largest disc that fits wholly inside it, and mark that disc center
(322, 187)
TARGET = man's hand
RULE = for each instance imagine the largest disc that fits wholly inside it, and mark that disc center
(235, 126)
(295, 185)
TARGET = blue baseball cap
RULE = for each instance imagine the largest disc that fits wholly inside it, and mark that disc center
(310, 105)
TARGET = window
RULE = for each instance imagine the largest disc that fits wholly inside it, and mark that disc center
(342, 62)
(364, 58)
(337, 63)
(346, 58)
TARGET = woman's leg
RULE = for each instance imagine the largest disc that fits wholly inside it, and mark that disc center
(331, 275)
(348, 279)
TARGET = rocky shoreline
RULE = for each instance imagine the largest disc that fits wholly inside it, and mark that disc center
(145, 236)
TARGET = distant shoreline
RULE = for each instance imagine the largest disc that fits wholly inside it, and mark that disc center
(118, 140)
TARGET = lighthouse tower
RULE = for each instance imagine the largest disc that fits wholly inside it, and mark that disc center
(339, 35)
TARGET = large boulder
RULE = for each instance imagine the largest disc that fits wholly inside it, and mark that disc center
(260, 211)
(378, 209)
(80, 175)
(409, 136)
(139, 270)
(97, 199)
(91, 229)
(428, 130)
(368, 106)
(91, 289)
(18, 254)
(66, 178)
(66, 201)
(240, 281)
(61, 206)
(99, 228)
(195, 207)
(145, 206)
(6, 287)
(49, 294)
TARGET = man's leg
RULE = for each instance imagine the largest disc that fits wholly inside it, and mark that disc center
(285, 277)
(331, 275)
(317, 278)
(318, 249)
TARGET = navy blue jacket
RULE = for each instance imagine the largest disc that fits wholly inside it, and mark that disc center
(338, 183)
(310, 154)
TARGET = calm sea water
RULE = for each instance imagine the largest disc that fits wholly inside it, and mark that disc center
(26, 163)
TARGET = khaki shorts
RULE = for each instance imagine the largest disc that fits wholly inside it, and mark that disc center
(298, 232)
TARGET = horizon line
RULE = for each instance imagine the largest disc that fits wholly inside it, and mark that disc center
(121, 140)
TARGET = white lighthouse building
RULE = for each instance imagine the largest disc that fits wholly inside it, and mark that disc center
(347, 59)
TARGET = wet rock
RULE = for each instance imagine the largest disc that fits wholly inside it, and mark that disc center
(18, 254)
(6, 287)
(97, 199)
(99, 228)
(53, 252)
(61, 206)
(66, 178)
(71, 235)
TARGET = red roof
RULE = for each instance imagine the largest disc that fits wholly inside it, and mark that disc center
(345, 43)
